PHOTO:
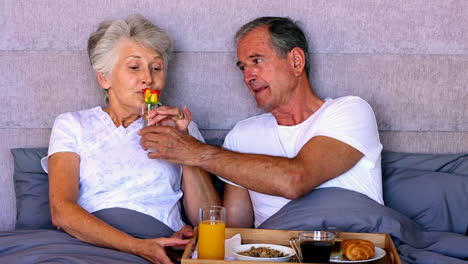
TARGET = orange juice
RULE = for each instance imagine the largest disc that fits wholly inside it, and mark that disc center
(211, 239)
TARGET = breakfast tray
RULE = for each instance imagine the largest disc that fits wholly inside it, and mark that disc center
(281, 237)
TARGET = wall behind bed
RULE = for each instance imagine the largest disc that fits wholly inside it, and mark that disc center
(408, 59)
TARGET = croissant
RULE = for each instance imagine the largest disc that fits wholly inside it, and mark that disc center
(358, 249)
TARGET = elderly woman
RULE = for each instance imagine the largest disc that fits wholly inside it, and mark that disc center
(95, 161)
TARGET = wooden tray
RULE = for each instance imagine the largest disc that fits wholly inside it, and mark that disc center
(282, 237)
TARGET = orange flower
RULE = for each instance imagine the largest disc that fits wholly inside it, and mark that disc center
(151, 96)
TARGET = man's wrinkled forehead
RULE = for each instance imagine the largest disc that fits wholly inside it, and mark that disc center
(253, 42)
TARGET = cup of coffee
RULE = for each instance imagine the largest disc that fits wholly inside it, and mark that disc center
(315, 246)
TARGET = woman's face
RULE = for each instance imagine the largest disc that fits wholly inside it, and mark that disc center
(137, 67)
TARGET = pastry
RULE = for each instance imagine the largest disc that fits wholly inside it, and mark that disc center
(358, 249)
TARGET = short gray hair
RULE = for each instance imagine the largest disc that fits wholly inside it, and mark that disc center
(285, 35)
(101, 43)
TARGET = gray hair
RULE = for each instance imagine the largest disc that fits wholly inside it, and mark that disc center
(284, 36)
(101, 44)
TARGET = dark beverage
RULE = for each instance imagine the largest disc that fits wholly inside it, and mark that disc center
(316, 251)
(337, 252)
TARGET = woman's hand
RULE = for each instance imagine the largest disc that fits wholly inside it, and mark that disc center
(176, 252)
(170, 116)
(154, 249)
(185, 232)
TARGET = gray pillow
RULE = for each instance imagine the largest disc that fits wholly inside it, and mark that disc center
(437, 201)
(450, 163)
(32, 189)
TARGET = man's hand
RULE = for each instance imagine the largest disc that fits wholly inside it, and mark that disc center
(171, 144)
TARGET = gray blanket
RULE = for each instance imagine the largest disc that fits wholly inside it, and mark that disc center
(353, 212)
(55, 246)
(322, 208)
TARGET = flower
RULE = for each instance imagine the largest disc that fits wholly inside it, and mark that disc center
(151, 102)
(151, 96)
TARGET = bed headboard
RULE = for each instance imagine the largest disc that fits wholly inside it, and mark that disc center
(409, 60)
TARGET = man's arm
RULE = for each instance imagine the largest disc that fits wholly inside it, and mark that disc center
(320, 159)
(239, 209)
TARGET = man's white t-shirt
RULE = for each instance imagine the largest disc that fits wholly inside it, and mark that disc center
(348, 119)
(114, 169)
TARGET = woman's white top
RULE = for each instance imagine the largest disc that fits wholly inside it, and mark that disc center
(114, 169)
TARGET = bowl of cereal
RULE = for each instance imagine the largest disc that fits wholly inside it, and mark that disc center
(263, 252)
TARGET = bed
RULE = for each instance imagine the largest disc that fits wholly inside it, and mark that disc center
(407, 59)
(425, 212)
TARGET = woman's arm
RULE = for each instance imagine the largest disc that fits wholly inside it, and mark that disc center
(73, 219)
(198, 190)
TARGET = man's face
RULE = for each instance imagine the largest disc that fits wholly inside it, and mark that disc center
(270, 79)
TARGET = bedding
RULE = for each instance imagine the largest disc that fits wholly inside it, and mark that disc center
(426, 198)
(448, 163)
(437, 201)
(56, 246)
(431, 189)
(354, 212)
(31, 189)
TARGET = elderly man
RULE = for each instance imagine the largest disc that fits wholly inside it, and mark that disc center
(303, 142)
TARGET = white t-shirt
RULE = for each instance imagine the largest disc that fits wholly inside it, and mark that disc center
(114, 169)
(348, 119)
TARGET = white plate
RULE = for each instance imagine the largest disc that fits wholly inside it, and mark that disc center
(379, 253)
(287, 251)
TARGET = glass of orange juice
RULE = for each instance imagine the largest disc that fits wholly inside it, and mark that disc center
(211, 232)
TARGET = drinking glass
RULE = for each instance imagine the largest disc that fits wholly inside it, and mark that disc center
(145, 108)
(337, 251)
(211, 232)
